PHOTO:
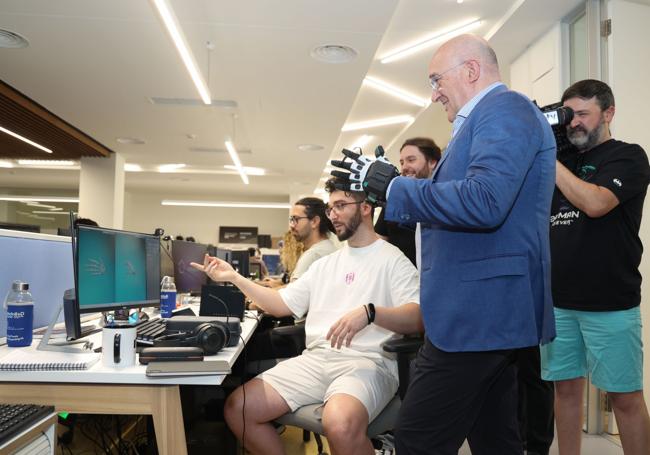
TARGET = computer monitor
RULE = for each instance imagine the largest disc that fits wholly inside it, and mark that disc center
(264, 241)
(187, 278)
(66, 232)
(272, 262)
(239, 259)
(20, 227)
(116, 269)
(45, 262)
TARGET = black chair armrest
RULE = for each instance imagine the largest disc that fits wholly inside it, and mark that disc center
(405, 345)
(293, 334)
(405, 349)
(297, 330)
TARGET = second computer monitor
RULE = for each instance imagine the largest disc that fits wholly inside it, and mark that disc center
(187, 278)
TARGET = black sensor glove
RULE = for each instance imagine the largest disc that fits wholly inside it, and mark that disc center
(370, 176)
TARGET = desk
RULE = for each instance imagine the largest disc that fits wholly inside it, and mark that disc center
(102, 390)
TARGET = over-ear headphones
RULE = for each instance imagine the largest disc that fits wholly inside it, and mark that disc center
(209, 336)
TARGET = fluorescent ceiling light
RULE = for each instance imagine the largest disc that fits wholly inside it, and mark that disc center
(46, 163)
(131, 167)
(412, 48)
(173, 28)
(170, 167)
(378, 122)
(395, 91)
(6, 164)
(247, 170)
(243, 205)
(42, 206)
(235, 159)
(24, 139)
(51, 213)
(73, 200)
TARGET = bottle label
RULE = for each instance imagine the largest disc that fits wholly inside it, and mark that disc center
(20, 323)
(167, 303)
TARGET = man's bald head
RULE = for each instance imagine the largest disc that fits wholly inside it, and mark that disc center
(461, 68)
(472, 47)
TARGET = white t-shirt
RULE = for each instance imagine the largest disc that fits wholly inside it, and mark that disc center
(346, 279)
(317, 251)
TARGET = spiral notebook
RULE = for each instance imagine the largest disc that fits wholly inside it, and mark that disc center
(27, 359)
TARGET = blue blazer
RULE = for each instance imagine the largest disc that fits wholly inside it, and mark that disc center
(485, 278)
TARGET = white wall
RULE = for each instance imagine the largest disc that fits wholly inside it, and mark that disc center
(143, 213)
(628, 77)
(539, 72)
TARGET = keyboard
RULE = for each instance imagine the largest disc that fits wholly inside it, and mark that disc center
(15, 418)
(150, 330)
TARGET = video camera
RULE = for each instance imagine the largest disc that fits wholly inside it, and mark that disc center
(559, 117)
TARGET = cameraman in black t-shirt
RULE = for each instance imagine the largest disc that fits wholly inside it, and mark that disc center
(595, 253)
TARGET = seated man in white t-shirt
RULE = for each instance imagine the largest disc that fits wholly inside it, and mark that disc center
(355, 299)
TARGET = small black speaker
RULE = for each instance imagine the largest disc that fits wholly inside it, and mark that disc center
(218, 300)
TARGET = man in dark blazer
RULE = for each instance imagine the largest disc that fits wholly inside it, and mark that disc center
(485, 288)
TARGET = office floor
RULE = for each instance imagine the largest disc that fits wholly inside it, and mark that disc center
(97, 435)
(93, 434)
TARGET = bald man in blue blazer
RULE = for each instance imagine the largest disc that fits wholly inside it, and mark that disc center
(485, 278)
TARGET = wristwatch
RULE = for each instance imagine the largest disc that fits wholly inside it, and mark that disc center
(371, 313)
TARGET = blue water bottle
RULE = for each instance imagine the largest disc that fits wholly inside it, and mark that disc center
(167, 297)
(20, 315)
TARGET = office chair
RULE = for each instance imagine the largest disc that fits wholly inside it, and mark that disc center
(309, 417)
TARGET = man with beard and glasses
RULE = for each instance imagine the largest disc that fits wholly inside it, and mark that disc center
(595, 252)
(355, 299)
(309, 225)
(417, 158)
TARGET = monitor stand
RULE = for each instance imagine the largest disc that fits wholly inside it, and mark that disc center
(44, 344)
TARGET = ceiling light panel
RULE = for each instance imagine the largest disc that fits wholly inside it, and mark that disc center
(247, 170)
(170, 167)
(236, 161)
(425, 43)
(132, 167)
(46, 163)
(175, 32)
(395, 91)
(377, 123)
(243, 205)
(24, 139)
(72, 200)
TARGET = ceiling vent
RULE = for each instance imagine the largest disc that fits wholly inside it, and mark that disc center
(217, 150)
(224, 104)
(334, 53)
(12, 40)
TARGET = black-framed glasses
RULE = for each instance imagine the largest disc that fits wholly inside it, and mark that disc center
(296, 219)
(435, 78)
(339, 206)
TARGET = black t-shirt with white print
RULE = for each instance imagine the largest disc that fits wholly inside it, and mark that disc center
(595, 261)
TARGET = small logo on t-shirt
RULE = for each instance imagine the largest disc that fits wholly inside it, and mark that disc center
(349, 278)
(617, 182)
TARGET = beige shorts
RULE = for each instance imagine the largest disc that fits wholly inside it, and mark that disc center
(317, 374)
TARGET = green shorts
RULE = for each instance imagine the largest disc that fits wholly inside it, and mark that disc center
(605, 344)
